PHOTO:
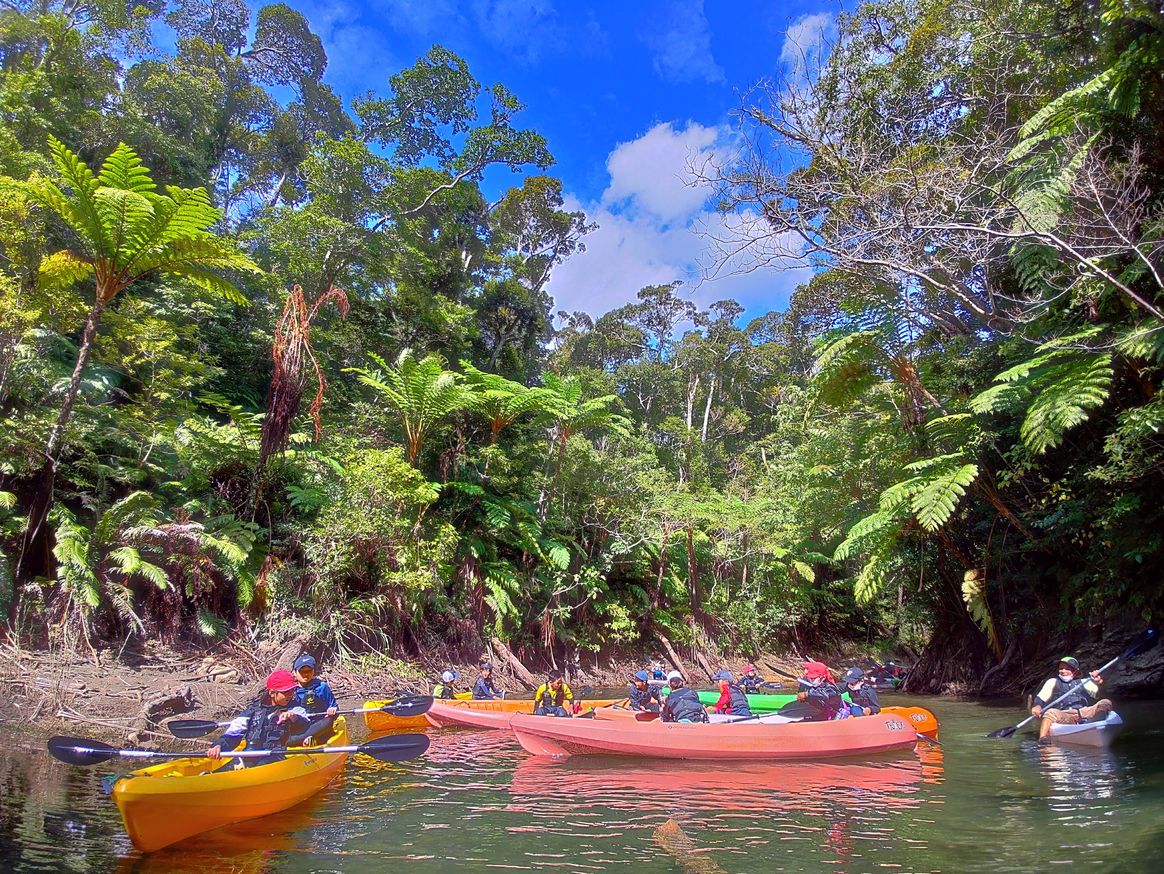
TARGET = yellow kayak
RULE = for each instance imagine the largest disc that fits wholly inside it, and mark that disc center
(378, 722)
(166, 803)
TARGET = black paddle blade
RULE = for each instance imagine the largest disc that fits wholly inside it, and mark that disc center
(409, 705)
(1146, 641)
(190, 727)
(396, 747)
(1003, 732)
(80, 750)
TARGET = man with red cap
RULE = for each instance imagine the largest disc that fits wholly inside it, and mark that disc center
(268, 723)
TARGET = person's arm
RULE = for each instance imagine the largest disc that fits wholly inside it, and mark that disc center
(725, 700)
(232, 737)
(328, 698)
(1044, 695)
(874, 702)
(1091, 686)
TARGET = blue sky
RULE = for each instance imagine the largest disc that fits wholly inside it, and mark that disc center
(626, 94)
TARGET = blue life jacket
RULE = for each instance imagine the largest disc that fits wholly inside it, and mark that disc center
(750, 685)
(315, 697)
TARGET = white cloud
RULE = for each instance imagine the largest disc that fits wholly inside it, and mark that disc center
(682, 44)
(651, 174)
(524, 28)
(805, 42)
(654, 229)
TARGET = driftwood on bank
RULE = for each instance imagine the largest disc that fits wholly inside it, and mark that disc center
(519, 670)
(158, 706)
(676, 662)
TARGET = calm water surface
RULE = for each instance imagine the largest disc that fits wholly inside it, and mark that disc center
(476, 801)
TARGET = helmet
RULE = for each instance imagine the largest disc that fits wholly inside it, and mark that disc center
(486, 666)
(749, 669)
(674, 675)
(555, 675)
(641, 675)
(852, 675)
(1071, 662)
(448, 676)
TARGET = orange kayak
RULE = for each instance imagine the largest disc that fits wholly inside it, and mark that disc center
(490, 714)
(740, 740)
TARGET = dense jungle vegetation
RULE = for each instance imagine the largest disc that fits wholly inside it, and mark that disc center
(271, 362)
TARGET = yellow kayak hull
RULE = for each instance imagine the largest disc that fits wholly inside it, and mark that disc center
(167, 803)
(378, 722)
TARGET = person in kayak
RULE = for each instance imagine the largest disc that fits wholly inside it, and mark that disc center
(751, 682)
(642, 695)
(444, 689)
(818, 700)
(1077, 707)
(552, 695)
(313, 695)
(858, 695)
(682, 704)
(732, 698)
(659, 672)
(270, 722)
(485, 689)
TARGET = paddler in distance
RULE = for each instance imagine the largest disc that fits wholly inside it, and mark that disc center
(444, 689)
(485, 689)
(1076, 707)
(269, 722)
(642, 695)
(751, 682)
(682, 704)
(552, 695)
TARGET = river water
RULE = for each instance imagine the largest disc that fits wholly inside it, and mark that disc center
(476, 801)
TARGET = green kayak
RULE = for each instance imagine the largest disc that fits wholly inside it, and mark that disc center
(758, 703)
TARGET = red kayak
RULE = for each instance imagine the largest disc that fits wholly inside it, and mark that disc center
(443, 715)
(742, 740)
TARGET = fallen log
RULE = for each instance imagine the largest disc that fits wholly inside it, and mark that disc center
(519, 670)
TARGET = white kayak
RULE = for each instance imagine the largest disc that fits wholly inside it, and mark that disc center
(1089, 734)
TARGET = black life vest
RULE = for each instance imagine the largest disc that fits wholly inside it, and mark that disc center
(739, 703)
(683, 705)
(865, 696)
(1078, 698)
(750, 685)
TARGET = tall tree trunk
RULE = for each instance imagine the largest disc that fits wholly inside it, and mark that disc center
(693, 588)
(33, 559)
(707, 409)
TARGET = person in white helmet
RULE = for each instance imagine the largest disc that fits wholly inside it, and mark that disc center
(682, 703)
(444, 689)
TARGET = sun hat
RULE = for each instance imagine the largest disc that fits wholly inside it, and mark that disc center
(641, 675)
(486, 666)
(674, 675)
(281, 681)
(448, 676)
(852, 675)
(815, 670)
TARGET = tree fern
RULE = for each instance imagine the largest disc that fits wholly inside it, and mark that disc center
(974, 595)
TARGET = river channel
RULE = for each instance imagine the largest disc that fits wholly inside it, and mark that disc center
(476, 801)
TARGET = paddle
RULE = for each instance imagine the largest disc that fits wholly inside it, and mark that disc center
(85, 751)
(415, 705)
(1144, 642)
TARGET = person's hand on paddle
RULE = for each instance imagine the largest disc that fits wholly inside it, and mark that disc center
(285, 716)
(1097, 678)
(215, 752)
(801, 696)
(1036, 711)
(332, 711)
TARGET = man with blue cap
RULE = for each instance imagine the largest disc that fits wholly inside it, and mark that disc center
(642, 695)
(313, 694)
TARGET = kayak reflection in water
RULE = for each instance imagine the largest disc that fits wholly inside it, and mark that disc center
(642, 695)
(269, 722)
(1077, 707)
(682, 704)
(552, 695)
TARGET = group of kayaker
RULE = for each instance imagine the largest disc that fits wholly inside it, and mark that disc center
(288, 712)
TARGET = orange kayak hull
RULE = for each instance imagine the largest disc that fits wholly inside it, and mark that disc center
(744, 740)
